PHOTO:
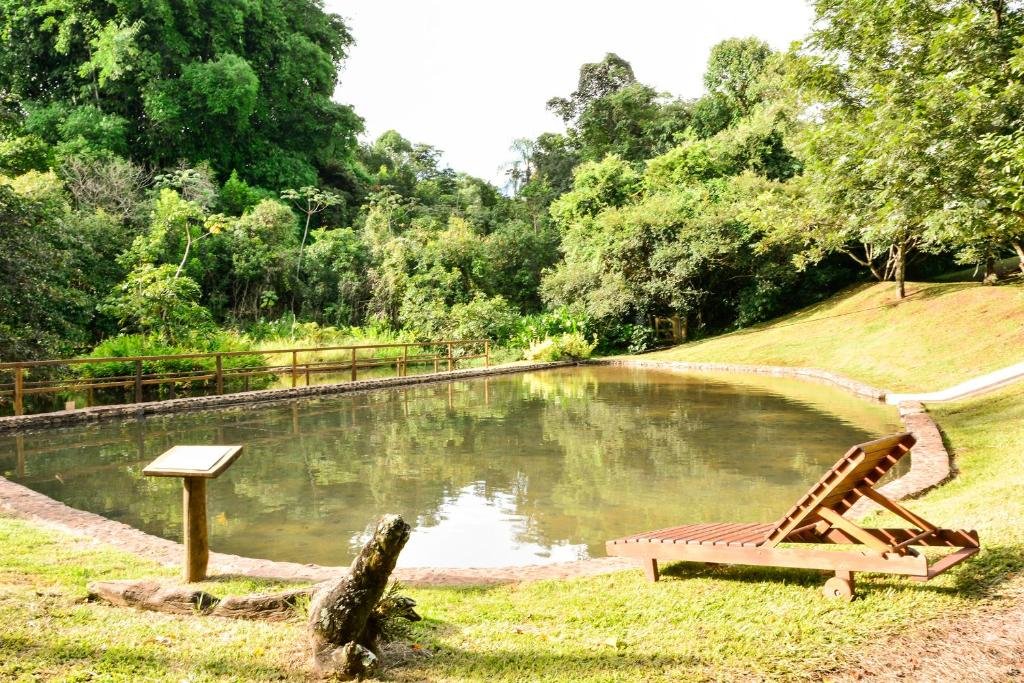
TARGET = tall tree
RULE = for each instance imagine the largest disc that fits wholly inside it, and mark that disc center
(240, 85)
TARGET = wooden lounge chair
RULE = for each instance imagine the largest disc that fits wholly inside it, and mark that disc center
(817, 518)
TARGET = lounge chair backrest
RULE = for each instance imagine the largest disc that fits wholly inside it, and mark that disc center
(863, 465)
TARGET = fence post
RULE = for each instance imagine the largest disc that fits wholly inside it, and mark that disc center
(295, 360)
(451, 363)
(353, 364)
(138, 381)
(220, 374)
(405, 361)
(19, 390)
(487, 353)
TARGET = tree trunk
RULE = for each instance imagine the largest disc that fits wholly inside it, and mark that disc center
(991, 276)
(868, 261)
(339, 614)
(1020, 254)
(901, 270)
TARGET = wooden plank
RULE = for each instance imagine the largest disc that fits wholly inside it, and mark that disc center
(947, 562)
(650, 567)
(196, 538)
(897, 509)
(138, 381)
(264, 353)
(670, 533)
(19, 390)
(852, 529)
(711, 533)
(941, 538)
(205, 462)
(774, 557)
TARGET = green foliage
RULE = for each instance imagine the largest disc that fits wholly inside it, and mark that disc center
(205, 178)
(597, 185)
(734, 71)
(481, 317)
(22, 154)
(916, 102)
(45, 298)
(128, 345)
(246, 86)
(335, 267)
(237, 196)
(568, 346)
(154, 300)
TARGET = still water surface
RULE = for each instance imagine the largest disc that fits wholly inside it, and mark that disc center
(516, 469)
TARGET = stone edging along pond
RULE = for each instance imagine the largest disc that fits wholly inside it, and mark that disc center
(63, 418)
(930, 466)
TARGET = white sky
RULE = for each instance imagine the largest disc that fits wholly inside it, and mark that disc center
(470, 76)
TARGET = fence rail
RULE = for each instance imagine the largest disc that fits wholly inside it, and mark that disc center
(19, 380)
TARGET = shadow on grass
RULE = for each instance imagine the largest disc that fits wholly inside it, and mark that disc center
(809, 314)
(975, 579)
(120, 662)
(603, 662)
(943, 290)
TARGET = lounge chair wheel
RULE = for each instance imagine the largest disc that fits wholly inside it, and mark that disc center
(839, 589)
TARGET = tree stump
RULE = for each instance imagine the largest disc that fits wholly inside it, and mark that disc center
(343, 625)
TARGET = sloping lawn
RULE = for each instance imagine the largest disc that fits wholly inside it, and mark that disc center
(698, 623)
(940, 335)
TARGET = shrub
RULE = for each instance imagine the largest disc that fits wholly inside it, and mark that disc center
(129, 345)
(549, 324)
(569, 346)
(481, 318)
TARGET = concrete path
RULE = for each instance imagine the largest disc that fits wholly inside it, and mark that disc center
(977, 385)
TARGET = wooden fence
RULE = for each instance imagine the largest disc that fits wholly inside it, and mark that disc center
(21, 380)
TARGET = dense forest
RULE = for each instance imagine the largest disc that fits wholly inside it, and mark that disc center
(178, 176)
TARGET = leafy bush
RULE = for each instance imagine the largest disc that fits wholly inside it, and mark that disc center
(129, 345)
(482, 318)
(549, 324)
(633, 338)
(569, 346)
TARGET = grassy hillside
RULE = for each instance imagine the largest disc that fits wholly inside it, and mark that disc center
(941, 334)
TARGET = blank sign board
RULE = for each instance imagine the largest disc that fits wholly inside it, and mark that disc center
(193, 461)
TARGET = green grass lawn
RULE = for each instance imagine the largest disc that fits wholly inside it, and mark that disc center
(941, 334)
(698, 623)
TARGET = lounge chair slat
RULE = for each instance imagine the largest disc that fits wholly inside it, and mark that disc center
(683, 532)
(741, 533)
(713, 532)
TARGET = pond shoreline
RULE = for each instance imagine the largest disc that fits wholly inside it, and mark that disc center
(930, 466)
(63, 418)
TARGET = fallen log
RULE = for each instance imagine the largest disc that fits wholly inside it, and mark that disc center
(152, 596)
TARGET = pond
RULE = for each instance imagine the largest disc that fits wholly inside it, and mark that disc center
(512, 469)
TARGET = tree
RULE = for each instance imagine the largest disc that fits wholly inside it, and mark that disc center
(244, 86)
(913, 90)
(734, 69)
(158, 300)
(110, 184)
(596, 80)
(44, 302)
(310, 201)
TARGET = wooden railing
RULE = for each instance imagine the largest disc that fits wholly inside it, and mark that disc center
(19, 380)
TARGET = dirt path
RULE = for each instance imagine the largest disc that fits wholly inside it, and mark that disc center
(985, 645)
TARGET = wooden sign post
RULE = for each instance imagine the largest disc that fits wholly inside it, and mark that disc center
(195, 464)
